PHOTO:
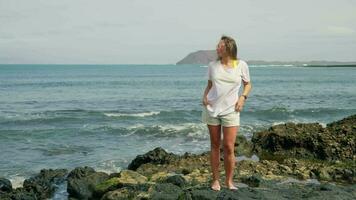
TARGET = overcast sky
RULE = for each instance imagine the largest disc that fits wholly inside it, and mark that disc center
(165, 31)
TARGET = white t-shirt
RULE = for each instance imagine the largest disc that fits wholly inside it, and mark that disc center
(226, 83)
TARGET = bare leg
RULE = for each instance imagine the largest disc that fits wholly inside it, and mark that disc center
(229, 155)
(215, 139)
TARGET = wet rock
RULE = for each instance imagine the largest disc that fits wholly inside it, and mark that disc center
(165, 191)
(5, 185)
(252, 181)
(164, 177)
(19, 194)
(243, 146)
(43, 184)
(177, 180)
(82, 182)
(156, 156)
(203, 194)
(325, 187)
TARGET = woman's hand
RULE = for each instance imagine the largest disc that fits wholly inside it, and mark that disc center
(240, 104)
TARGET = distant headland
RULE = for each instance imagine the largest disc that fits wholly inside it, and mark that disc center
(203, 57)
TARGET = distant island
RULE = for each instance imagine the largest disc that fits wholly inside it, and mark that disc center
(203, 57)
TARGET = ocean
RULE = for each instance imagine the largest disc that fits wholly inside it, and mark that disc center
(103, 116)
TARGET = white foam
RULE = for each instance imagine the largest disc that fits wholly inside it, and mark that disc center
(17, 181)
(195, 130)
(322, 124)
(136, 126)
(144, 114)
(278, 123)
(289, 121)
(108, 166)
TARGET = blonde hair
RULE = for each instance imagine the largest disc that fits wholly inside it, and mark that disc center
(230, 46)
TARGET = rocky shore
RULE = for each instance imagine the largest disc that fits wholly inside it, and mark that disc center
(289, 161)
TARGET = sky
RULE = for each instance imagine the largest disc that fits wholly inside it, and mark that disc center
(165, 31)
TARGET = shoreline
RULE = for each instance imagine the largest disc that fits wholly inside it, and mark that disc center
(286, 158)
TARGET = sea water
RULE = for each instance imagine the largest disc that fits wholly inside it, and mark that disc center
(65, 116)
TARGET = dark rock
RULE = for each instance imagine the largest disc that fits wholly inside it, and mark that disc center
(166, 191)
(252, 181)
(112, 175)
(19, 194)
(312, 175)
(156, 156)
(82, 181)
(243, 146)
(177, 180)
(310, 141)
(80, 172)
(203, 194)
(186, 171)
(243, 193)
(43, 184)
(325, 187)
(344, 132)
(5, 185)
(342, 173)
(346, 126)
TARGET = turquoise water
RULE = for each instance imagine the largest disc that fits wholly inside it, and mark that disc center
(63, 116)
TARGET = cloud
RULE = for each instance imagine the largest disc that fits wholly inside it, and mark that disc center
(340, 30)
(161, 31)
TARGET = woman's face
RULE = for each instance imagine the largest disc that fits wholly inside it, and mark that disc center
(220, 49)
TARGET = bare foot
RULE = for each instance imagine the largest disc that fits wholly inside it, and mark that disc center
(215, 185)
(231, 186)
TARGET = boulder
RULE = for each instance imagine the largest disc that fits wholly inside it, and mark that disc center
(156, 156)
(177, 180)
(165, 191)
(5, 185)
(308, 141)
(82, 182)
(43, 184)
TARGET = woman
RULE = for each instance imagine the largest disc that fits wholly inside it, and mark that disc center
(222, 106)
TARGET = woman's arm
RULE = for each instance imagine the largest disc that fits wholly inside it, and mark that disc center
(206, 91)
(240, 103)
(247, 88)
